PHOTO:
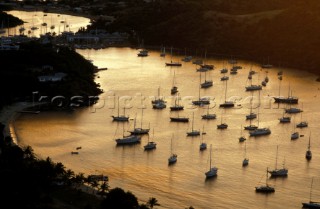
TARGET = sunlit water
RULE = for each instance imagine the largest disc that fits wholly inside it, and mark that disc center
(147, 174)
(60, 23)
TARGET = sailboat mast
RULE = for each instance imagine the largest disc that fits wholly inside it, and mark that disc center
(192, 120)
(141, 116)
(276, 159)
(118, 105)
(210, 155)
(225, 93)
(311, 189)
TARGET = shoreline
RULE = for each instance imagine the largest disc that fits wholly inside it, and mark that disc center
(9, 114)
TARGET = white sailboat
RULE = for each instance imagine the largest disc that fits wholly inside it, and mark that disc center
(265, 188)
(173, 157)
(151, 144)
(308, 152)
(193, 132)
(120, 118)
(212, 170)
(245, 161)
(278, 172)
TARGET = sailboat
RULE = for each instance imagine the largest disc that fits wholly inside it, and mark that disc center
(258, 131)
(178, 64)
(174, 88)
(159, 103)
(120, 117)
(206, 83)
(137, 131)
(245, 161)
(209, 116)
(212, 170)
(150, 145)
(252, 115)
(268, 65)
(241, 138)
(289, 100)
(302, 124)
(186, 58)
(285, 119)
(295, 134)
(163, 52)
(176, 106)
(311, 204)
(226, 104)
(308, 152)
(203, 145)
(278, 172)
(173, 157)
(193, 132)
(253, 87)
(201, 101)
(265, 188)
(132, 139)
(2, 30)
(222, 125)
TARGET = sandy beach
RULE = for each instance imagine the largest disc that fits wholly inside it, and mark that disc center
(8, 115)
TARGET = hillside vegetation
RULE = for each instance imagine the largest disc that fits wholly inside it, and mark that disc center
(282, 31)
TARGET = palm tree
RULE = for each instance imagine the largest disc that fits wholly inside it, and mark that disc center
(104, 188)
(152, 202)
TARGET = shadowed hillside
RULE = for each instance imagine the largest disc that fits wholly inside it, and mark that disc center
(281, 30)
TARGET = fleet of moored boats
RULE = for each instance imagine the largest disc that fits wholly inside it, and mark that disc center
(254, 130)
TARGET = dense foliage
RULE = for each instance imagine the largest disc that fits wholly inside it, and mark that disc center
(283, 31)
(20, 70)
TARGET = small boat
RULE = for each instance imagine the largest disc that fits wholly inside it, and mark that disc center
(308, 152)
(206, 83)
(193, 132)
(293, 110)
(260, 132)
(201, 101)
(208, 116)
(174, 88)
(139, 131)
(176, 106)
(302, 123)
(245, 161)
(79, 148)
(212, 170)
(203, 145)
(173, 157)
(224, 70)
(226, 104)
(282, 172)
(177, 64)
(251, 116)
(253, 87)
(132, 139)
(241, 138)
(187, 59)
(285, 119)
(295, 135)
(265, 188)
(263, 83)
(120, 118)
(179, 119)
(150, 145)
(143, 53)
(74, 153)
(250, 127)
(311, 204)
(224, 78)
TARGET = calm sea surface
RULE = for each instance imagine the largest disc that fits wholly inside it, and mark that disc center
(136, 80)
